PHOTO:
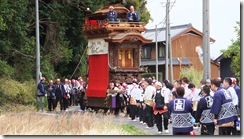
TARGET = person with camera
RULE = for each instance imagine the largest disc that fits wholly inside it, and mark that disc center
(51, 98)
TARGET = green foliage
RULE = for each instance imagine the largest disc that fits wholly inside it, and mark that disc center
(233, 52)
(16, 93)
(140, 6)
(5, 69)
(192, 74)
(131, 129)
(17, 43)
(62, 42)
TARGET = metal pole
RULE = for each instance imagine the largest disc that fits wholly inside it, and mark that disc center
(170, 51)
(156, 42)
(37, 45)
(167, 40)
(206, 41)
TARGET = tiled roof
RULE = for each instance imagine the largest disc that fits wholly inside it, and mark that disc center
(174, 31)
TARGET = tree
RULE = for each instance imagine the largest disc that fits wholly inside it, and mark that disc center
(62, 42)
(233, 52)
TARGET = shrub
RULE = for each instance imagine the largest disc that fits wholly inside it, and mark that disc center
(192, 74)
(14, 93)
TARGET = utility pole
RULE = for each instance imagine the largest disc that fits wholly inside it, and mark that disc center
(37, 45)
(156, 42)
(170, 47)
(167, 40)
(206, 40)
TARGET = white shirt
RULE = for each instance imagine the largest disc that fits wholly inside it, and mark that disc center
(195, 93)
(149, 91)
(166, 93)
(67, 88)
(135, 92)
(129, 89)
(233, 95)
(188, 94)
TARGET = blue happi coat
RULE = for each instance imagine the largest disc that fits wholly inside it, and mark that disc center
(203, 114)
(181, 114)
(223, 108)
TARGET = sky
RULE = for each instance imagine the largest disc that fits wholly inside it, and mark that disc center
(223, 15)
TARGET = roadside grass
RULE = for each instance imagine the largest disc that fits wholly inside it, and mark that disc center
(33, 123)
(133, 130)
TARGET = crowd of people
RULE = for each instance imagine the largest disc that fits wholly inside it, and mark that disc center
(150, 102)
(69, 93)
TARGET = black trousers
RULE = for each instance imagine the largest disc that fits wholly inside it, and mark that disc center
(158, 121)
(61, 102)
(71, 102)
(207, 129)
(225, 130)
(133, 109)
(51, 104)
(142, 114)
(81, 103)
(149, 115)
(233, 129)
(166, 117)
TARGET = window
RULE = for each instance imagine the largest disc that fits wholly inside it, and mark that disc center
(161, 51)
(146, 52)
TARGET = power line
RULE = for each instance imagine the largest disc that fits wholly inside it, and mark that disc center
(79, 62)
(162, 22)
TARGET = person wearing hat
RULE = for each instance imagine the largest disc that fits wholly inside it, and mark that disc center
(237, 89)
(112, 14)
(50, 88)
(40, 95)
(159, 106)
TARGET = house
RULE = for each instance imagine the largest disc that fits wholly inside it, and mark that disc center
(186, 43)
(225, 70)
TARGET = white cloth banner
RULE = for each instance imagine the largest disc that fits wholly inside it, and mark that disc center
(97, 47)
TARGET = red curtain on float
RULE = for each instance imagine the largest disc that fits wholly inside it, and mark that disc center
(98, 76)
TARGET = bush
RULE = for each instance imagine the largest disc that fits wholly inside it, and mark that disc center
(192, 74)
(5, 69)
(14, 93)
